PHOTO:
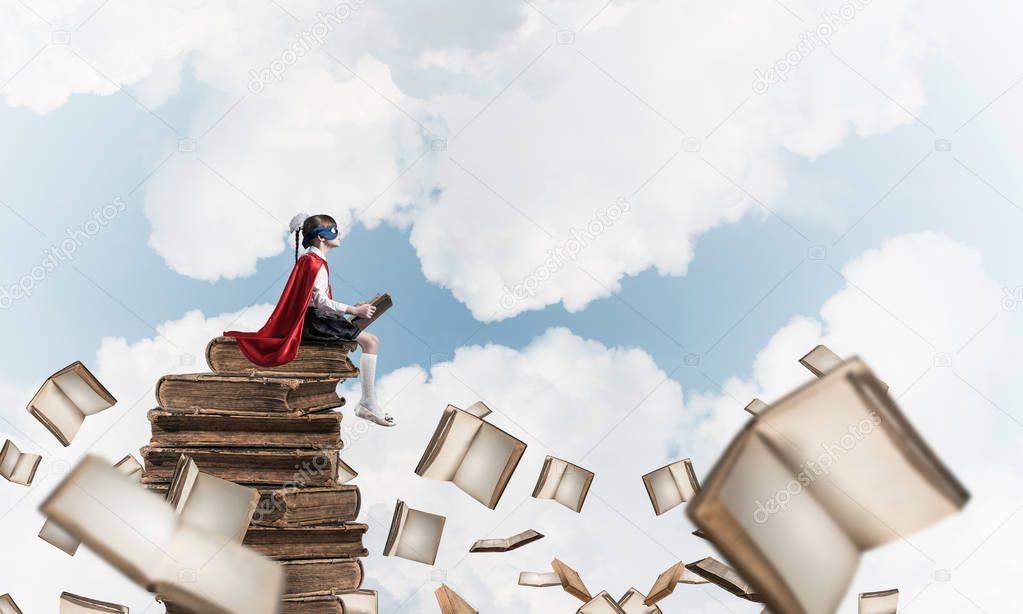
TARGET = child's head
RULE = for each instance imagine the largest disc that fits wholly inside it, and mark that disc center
(320, 230)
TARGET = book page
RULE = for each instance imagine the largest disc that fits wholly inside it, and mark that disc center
(130, 467)
(601, 604)
(52, 533)
(359, 602)
(663, 490)
(219, 507)
(58, 409)
(856, 462)
(572, 488)
(76, 386)
(345, 473)
(756, 406)
(128, 526)
(820, 360)
(548, 488)
(7, 605)
(539, 578)
(879, 602)
(211, 575)
(479, 409)
(685, 478)
(453, 446)
(484, 463)
(810, 552)
(419, 537)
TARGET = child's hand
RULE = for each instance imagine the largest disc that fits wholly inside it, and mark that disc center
(363, 310)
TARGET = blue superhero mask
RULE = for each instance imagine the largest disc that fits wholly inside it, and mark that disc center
(327, 232)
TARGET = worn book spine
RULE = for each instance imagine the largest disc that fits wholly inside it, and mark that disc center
(199, 428)
(246, 465)
(294, 507)
(224, 355)
(321, 576)
(293, 394)
(343, 540)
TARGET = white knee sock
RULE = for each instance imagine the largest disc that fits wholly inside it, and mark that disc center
(367, 375)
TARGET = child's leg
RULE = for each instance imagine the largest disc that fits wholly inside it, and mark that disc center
(370, 344)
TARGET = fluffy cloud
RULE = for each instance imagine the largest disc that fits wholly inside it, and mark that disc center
(503, 146)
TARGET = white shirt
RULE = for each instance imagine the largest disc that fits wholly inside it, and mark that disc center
(320, 299)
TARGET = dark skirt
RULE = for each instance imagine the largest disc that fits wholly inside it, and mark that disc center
(323, 327)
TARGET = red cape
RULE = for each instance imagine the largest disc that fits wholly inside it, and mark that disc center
(277, 342)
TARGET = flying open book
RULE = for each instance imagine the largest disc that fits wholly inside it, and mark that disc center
(671, 485)
(564, 482)
(505, 544)
(141, 535)
(76, 604)
(52, 532)
(17, 466)
(879, 602)
(563, 576)
(66, 398)
(829, 471)
(451, 602)
(716, 572)
(414, 535)
(471, 453)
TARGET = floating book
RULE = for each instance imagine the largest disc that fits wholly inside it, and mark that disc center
(209, 503)
(756, 406)
(66, 398)
(269, 430)
(665, 583)
(7, 605)
(382, 302)
(563, 576)
(345, 473)
(602, 603)
(881, 482)
(671, 485)
(52, 532)
(76, 604)
(414, 535)
(260, 392)
(139, 534)
(879, 602)
(633, 602)
(308, 576)
(246, 465)
(339, 540)
(224, 355)
(505, 544)
(564, 482)
(17, 466)
(471, 453)
(451, 602)
(716, 572)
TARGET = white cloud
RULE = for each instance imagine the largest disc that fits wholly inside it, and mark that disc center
(532, 154)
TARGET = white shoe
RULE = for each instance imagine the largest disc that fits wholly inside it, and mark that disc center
(376, 417)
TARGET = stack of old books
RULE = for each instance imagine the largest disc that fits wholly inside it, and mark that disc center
(273, 430)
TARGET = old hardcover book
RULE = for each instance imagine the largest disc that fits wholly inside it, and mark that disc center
(76, 604)
(382, 302)
(318, 604)
(471, 453)
(7, 605)
(879, 602)
(716, 572)
(671, 485)
(564, 482)
(570, 581)
(633, 602)
(414, 535)
(17, 466)
(670, 578)
(252, 466)
(882, 482)
(138, 533)
(327, 541)
(198, 428)
(223, 355)
(52, 532)
(259, 392)
(294, 507)
(307, 577)
(451, 602)
(66, 398)
(507, 543)
(206, 502)
(602, 603)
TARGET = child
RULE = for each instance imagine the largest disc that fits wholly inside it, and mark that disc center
(307, 311)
